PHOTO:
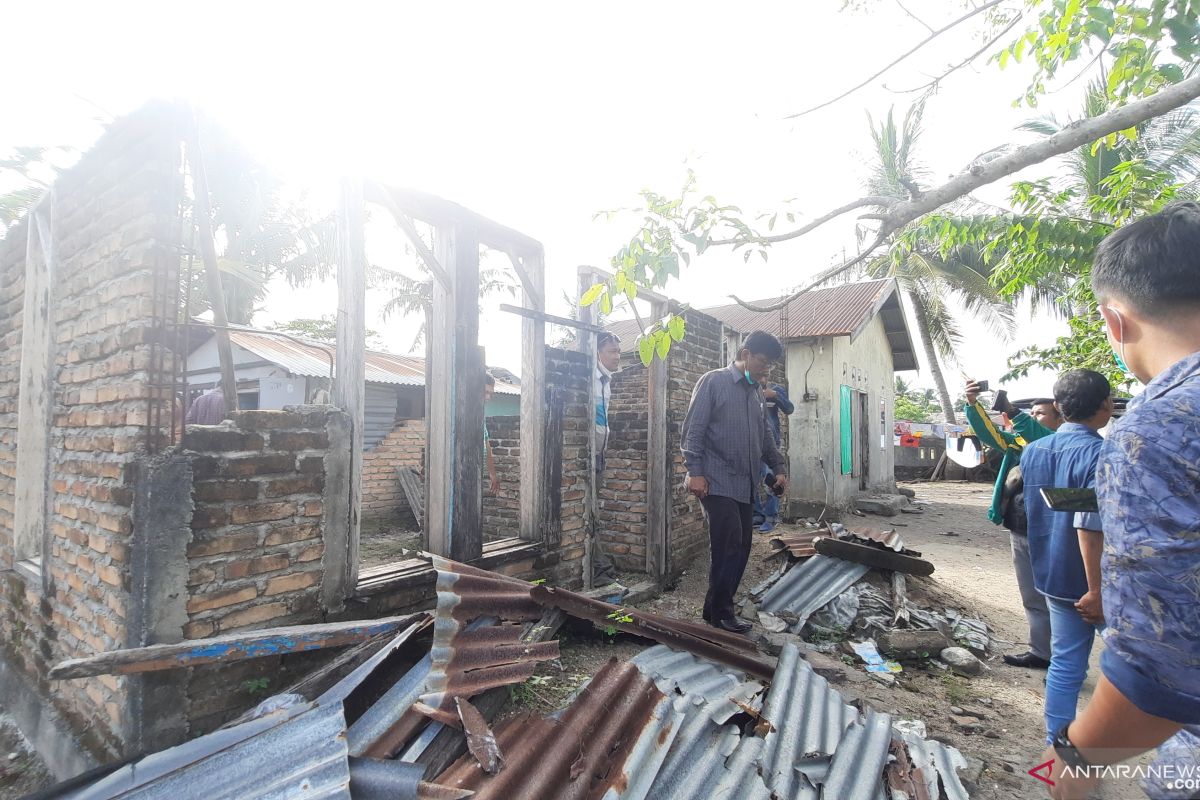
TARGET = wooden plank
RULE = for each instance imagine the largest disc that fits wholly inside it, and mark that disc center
(454, 498)
(875, 557)
(232, 647)
(533, 492)
(443, 213)
(414, 491)
(377, 194)
(658, 466)
(585, 343)
(350, 362)
(553, 319)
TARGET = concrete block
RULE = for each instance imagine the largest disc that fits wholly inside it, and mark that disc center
(887, 505)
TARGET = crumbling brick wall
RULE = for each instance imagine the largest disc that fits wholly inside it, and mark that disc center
(621, 494)
(114, 225)
(502, 513)
(383, 499)
(257, 543)
(698, 353)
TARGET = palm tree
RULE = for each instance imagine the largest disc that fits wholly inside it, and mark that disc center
(928, 275)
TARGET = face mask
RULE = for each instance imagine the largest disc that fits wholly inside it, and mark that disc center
(748, 378)
(1119, 354)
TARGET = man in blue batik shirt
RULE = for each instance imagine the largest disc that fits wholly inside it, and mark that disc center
(1147, 279)
(1064, 548)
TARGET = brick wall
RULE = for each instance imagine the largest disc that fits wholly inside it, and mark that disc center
(257, 543)
(622, 494)
(114, 225)
(256, 554)
(698, 353)
(502, 513)
(383, 499)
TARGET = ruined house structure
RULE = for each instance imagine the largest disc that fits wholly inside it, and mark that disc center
(119, 528)
(842, 345)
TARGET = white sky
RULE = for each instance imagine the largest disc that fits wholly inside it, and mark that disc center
(537, 115)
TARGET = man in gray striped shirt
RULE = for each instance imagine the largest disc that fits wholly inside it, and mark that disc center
(725, 439)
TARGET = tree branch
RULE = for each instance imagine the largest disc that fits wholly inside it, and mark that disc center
(951, 70)
(862, 202)
(917, 19)
(915, 48)
(1070, 137)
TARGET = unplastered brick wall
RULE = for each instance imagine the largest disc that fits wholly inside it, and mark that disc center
(257, 541)
(698, 353)
(567, 382)
(502, 512)
(621, 495)
(383, 499)
(113, 226)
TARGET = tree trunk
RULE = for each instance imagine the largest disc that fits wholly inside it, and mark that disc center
(935, 368)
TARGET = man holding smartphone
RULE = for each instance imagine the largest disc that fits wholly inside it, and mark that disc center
(1065, 548)
(1008, 505)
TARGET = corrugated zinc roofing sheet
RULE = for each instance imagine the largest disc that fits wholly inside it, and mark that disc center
(833, 311)
(808, 586)
(726, 691)
(312, 359)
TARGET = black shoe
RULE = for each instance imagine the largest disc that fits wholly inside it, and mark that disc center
(731, 625)
(1027, 660)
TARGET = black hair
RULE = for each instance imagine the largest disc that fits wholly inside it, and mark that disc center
(1044, 401)
(763, 344)
(489, 379)
(1153, 263)
(1080, 393)
(607, 338)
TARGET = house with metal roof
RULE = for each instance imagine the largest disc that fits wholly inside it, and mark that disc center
(274, 370)
(843, 345)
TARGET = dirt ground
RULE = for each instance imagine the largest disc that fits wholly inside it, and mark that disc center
(383, 542)
(21, 771)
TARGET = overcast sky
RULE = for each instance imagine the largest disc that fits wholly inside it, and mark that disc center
(537, 115)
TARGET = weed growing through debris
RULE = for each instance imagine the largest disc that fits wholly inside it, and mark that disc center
(958, 692)
(619, 615)
(833, 635)
(256, 686)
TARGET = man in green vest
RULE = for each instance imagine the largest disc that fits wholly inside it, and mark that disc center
(1008, 507)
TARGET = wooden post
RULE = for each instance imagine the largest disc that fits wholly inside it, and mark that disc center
(585, 342)
(212, 275)
(533, 398)
(658, 464)
(454, 447)
(350, 360)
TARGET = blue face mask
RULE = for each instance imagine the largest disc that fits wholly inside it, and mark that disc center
(1121, 362)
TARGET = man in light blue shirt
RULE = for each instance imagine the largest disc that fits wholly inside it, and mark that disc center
(1063, 547)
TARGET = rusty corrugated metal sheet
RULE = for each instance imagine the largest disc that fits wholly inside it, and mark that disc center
(834, 311)
(467, 658)
(700, 639)
(889, 539)
(609, 742)
(798, 544)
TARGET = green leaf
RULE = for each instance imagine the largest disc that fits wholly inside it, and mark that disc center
(677, 327)
(605, 304)
(593, 294)
(646, 349)
(664, 344)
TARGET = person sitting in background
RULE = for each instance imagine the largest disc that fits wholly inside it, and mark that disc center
(208, 408)
(1008, 506)
(1064, 548)
(766, 503)
(1147, 278)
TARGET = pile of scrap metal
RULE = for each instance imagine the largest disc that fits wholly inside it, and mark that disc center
(820, 581)
(700, 715)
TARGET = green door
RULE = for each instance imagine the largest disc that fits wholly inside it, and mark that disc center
(846, 426)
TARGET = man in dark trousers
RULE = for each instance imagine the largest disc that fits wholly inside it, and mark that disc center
(725, 438)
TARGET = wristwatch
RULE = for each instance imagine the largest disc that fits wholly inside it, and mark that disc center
(1066, 750)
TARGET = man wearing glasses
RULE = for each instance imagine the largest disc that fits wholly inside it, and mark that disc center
(725, 439)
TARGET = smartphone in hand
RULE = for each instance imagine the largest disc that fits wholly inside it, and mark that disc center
(1071, 499)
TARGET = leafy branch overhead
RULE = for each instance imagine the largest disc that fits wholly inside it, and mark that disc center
(1148, 54)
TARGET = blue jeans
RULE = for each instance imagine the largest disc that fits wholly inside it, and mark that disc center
(767, 509)
(1070, 648)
